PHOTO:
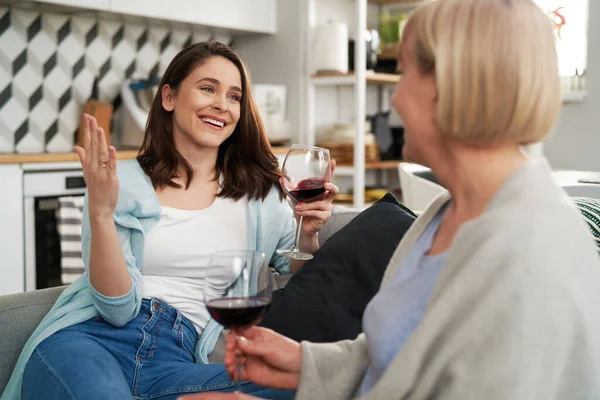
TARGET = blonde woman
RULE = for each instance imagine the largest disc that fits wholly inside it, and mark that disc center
(494, 291)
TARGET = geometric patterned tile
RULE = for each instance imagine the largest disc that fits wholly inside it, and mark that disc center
(133, 31)
(96, 54)
(117, 37)
(158, 33)
(108, 28)
(29, 141)
(91, 34)
(82, 86)
(22, 20)
(55, 86)
(63, 32)
(12, 115)
(147, 58)
(122, 56)
(34, 28)
(5, 78)
(142, 40)
(5, 95)
(41, 117)
(179, 36)
(49, 62)
(80, 25)
(70, 51)
(40, 51)
(68, 121)
(166, 57)
(25, 84)
(56, 26)
(12, 45)
(4, 19)
(6, 144)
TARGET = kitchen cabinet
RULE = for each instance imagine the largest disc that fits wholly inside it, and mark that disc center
(253, 16)
(12, 244)
(240, 15)
(90, 4)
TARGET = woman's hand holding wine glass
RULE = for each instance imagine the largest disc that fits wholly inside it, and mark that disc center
(306, 179)
(238, 291)
(316, 213)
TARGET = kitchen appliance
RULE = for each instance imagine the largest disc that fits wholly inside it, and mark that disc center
(42, 189)
(372, 49)
(137, 97)
(329, 48)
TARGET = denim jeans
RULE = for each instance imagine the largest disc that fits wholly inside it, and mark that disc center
(151, 357)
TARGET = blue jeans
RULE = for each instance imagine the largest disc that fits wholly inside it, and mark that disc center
(151, 357)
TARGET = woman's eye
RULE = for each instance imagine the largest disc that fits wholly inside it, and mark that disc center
(208, 89)
(235, 97)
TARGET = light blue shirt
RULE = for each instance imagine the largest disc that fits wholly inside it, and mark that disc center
(270, 226)
(396, 311)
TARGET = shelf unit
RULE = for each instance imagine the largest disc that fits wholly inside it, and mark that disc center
(359, 80)
(349, 79)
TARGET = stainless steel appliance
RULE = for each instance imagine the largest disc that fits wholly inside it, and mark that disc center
(43, 185)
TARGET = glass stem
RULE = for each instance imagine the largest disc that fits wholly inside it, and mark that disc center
(295, 249)
(239, 366)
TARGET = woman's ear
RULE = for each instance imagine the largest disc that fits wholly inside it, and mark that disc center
(168, 98)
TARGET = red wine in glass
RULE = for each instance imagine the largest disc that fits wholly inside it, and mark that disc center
(308, 190)
(238, 312)
(304, 172)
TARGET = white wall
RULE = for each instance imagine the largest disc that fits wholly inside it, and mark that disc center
(576, 142)
(279, 59)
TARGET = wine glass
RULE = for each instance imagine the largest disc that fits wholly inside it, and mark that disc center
(238, 290)
(305, 171)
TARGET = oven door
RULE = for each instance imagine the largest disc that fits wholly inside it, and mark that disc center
(42, 189)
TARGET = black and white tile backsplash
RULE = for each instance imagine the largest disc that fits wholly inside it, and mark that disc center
(48, 63)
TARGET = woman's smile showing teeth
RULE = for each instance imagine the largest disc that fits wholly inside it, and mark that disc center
(213, 122)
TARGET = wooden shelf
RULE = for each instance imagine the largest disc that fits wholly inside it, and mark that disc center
(54, 157)
(391, 164)
(405, 3)
(69, 157)
(334, 79)
(348, 170)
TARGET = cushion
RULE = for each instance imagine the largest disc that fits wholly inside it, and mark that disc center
(590, 210)
(324, 301)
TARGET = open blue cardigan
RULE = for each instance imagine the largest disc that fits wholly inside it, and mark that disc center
(270, 226)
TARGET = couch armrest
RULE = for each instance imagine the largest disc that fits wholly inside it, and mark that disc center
(20, 314)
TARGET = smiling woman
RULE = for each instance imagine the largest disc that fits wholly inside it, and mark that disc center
(206, 99)
(205, 181)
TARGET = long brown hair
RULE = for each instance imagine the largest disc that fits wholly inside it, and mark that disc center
(245, 159)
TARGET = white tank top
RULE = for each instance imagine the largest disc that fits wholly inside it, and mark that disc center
(177, 252)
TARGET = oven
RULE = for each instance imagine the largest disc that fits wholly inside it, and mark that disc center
(43, 186)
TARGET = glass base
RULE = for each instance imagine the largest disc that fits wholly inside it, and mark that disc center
(295, 255)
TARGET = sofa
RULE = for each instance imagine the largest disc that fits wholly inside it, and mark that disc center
(21, 313)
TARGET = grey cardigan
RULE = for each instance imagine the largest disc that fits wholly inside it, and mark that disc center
(515, 313)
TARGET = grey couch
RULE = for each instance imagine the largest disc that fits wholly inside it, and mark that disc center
(21, 313)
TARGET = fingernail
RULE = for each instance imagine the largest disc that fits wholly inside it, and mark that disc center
(299, 207)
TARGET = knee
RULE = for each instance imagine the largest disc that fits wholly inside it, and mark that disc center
(41, 380)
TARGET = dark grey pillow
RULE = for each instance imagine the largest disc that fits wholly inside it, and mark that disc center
(325, 300)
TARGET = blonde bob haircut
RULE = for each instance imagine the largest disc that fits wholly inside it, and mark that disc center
(495, 66)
